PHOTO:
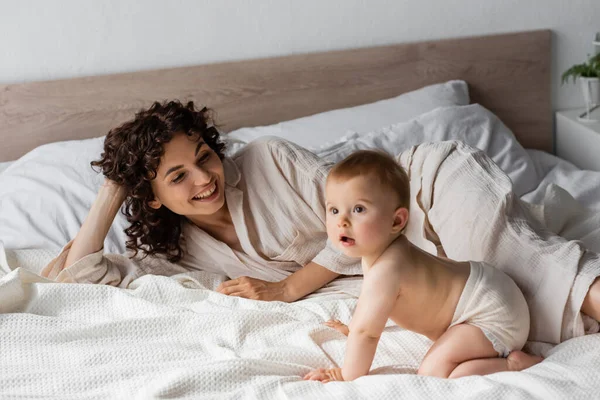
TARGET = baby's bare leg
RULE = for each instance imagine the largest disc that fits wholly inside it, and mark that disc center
(458, 344)
(464, 350)
(338, 326)
(516, 361)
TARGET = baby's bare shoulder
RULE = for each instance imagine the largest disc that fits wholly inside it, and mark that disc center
(397, 255)
(382, 280)
(387, 266)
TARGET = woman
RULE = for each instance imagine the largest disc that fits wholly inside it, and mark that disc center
(258, 218)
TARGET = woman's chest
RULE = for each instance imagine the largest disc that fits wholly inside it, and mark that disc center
(283, 227)
(230, 237)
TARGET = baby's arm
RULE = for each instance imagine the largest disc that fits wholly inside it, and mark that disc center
(338, 326)
(377, 299)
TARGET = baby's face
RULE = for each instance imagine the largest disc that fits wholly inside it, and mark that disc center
(360, 215)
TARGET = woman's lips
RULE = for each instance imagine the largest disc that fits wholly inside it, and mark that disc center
(211, 197)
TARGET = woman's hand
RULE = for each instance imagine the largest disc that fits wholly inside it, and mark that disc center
(114, 189)
(324, 375)
(255, 289)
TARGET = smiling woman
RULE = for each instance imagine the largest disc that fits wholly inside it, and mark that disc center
(149, 157)
(190, 208)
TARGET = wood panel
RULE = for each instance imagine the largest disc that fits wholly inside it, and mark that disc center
(507, 73)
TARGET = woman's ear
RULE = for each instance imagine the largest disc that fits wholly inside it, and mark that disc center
(400, 219)
(156, 204)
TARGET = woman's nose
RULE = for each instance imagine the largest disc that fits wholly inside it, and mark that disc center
(201, 177)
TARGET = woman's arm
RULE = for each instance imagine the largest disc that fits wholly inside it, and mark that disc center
(82, 260)
(302, 282)
(90, 237)
(306, 280)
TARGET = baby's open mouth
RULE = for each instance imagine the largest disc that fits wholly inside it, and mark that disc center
(346, 240)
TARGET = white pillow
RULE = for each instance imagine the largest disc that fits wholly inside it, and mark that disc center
(313, 131)
(472, 124)
(46, 195)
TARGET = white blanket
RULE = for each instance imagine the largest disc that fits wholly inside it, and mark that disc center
(173, 338)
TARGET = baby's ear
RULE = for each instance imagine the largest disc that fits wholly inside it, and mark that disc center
(400, 219)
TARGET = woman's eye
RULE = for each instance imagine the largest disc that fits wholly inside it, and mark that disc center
(178, 178)
(359, 209)
(205, 157)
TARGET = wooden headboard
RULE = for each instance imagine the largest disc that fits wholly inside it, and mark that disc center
(507, 73)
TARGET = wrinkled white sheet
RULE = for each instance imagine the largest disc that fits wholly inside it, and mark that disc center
(583, 185)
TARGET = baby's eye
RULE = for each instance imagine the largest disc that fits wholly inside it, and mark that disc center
(359, 209)
(333, 210)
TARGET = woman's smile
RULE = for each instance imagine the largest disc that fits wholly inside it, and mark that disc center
(209, 194)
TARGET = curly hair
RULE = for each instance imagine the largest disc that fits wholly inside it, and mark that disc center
(131, 157)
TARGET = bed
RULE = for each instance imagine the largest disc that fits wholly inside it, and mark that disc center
(175, 337)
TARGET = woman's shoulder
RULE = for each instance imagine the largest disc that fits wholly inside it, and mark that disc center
(272, 144)
(279, 153)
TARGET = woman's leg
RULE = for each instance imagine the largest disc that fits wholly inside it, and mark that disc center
(476, 216)
(464, 350)
(591, 302)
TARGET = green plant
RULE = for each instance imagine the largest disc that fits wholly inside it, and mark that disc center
(589, 69)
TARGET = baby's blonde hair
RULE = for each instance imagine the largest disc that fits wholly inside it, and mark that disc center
(379, 165)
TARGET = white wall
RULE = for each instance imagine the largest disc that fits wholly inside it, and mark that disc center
(50, 39)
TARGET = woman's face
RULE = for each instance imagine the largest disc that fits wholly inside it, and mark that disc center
(190, 180)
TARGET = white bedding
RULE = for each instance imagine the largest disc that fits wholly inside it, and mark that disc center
(173, 337)
(5, 165)
(583, 185)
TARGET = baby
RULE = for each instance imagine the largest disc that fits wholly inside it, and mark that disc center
(476, 315)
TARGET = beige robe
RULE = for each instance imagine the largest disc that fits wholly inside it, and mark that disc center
(275, 193)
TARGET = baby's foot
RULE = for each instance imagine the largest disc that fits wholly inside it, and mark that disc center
(338, 326)
(518, 360)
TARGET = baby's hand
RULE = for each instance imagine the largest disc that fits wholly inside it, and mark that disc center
(338, 326)
(324, 375)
